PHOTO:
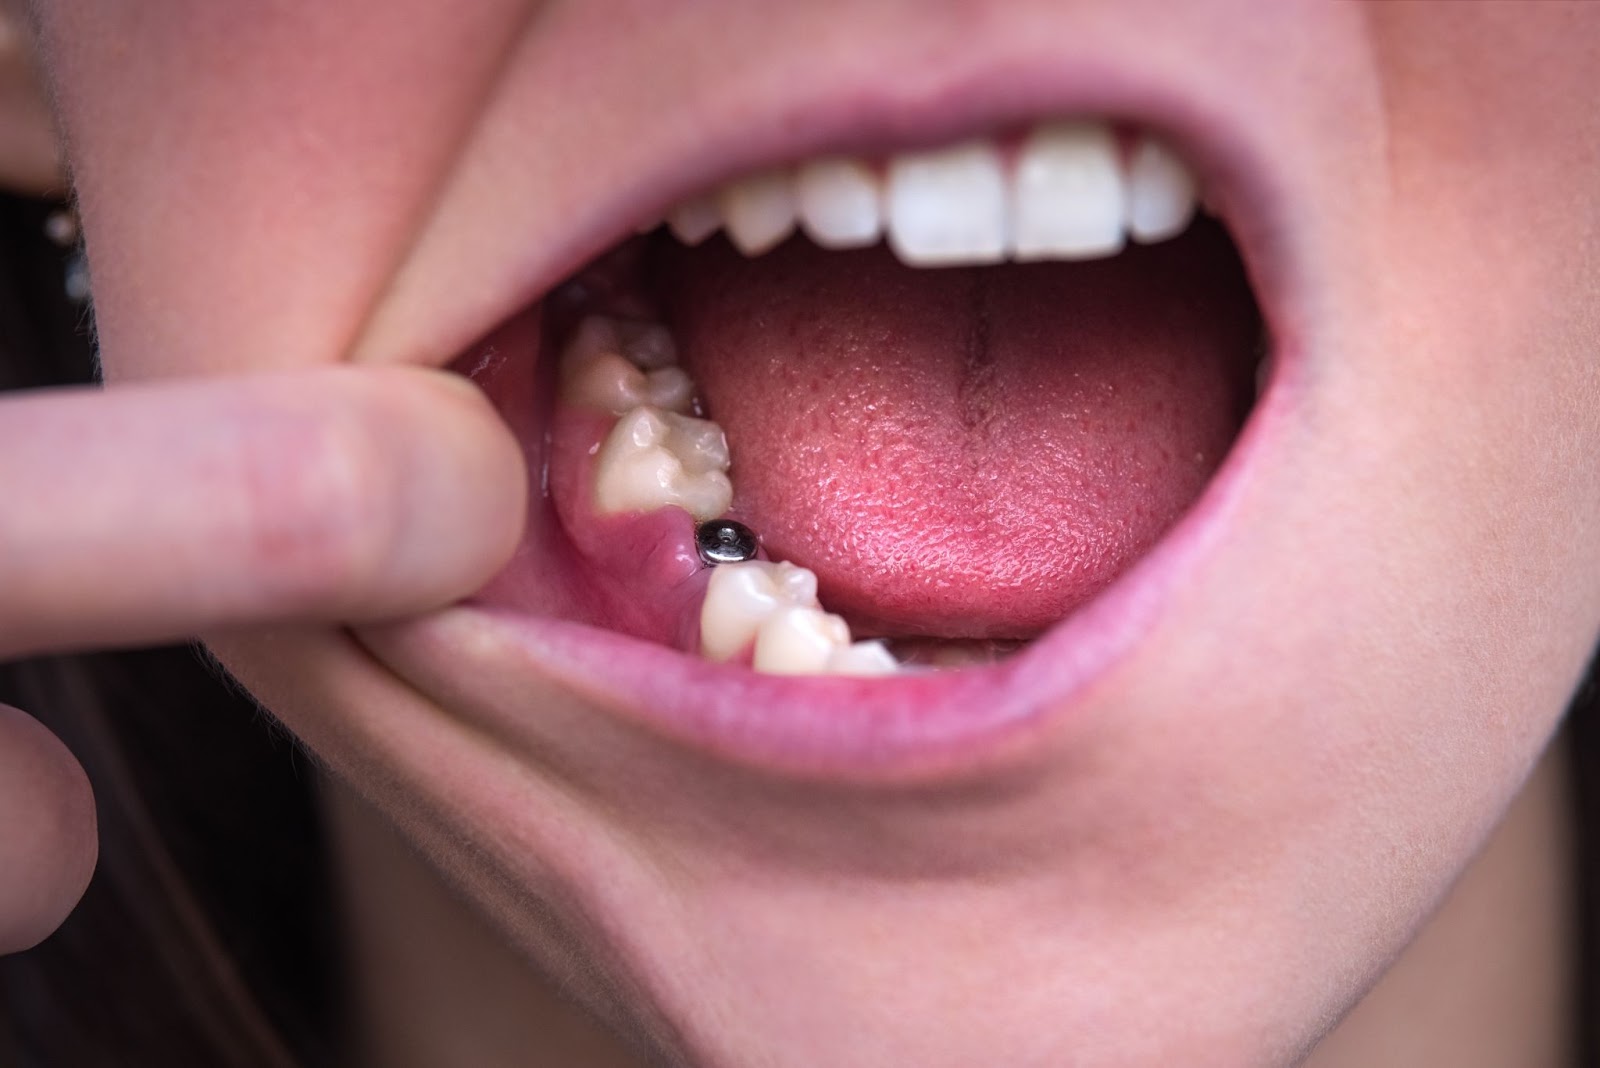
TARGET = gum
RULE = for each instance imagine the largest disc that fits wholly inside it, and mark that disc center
(636, 574)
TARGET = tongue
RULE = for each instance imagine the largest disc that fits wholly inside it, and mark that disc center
(967, 453)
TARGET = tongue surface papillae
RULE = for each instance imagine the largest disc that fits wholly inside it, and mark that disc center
(966, 452)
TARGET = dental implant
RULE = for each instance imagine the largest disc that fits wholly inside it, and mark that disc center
(724, 541)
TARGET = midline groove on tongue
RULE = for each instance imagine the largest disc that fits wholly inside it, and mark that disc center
(657, 455)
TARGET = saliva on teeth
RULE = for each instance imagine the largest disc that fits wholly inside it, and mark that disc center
(655, 456)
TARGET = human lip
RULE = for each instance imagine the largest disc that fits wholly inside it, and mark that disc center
(951, 83)
(917, 724)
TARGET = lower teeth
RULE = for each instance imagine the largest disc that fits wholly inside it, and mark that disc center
(658, 456)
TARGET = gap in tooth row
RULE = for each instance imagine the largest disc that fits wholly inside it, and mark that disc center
(656, 456)
(1067, 191)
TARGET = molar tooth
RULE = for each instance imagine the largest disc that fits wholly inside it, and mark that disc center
(799, 640)
(596, 374)
(695, 220)
(604, 380)
(595, 334)
(1069, 196)
(740, 597)
(648, 346)
(863, 658)
(669, 388)
(759, 211)
(1161, 193)
(655, 459)
(947, 206)
(840, 203)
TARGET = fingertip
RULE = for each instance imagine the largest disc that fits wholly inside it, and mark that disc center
(371, 494)
(49, 842)
(461, 501)
(339, 495)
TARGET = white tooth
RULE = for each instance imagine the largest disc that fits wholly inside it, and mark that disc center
(604, 380)
(595, 334)
(596, 374)
(654, 459)
(1161, 193)
(947, 206)
(759, 211)
(741, 596)
(840, 203)
(670, 388)
(695, 220)
(863, 658)
(1070, 200)
(593, 371)
(647, 345)
(796, 640)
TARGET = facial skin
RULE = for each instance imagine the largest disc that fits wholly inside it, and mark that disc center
(1206, 856)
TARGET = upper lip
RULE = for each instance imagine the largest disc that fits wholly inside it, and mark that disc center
(875, 109)
(880, 109)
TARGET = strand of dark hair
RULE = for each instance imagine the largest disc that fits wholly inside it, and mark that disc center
(1583, 726)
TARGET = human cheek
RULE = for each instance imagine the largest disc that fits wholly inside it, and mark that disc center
(250, 175)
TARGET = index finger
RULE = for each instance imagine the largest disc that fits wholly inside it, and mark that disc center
(149, 512)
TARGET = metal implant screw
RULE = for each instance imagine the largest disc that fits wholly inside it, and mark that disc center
(724, 541)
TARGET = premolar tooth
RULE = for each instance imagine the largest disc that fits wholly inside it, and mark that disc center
(655, 459)
(799, 640)
(1161, 193)
(1070, 200)
(947, 206)
(840, 203)
(863, 658)
(695, 220)
(740, 597)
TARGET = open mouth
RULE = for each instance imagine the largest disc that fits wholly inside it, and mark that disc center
(834, 461)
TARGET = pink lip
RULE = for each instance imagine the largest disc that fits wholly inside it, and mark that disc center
(898, 729)
(919, 724)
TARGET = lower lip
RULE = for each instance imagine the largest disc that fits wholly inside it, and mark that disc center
(911, 727)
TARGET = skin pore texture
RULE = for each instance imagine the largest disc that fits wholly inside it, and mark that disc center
(1208, 852)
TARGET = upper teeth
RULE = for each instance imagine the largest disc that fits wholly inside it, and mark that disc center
(1161, 194)
(948, 206)
(840, 203)
(1070, 199)
(1066, 194)
(759, 211)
